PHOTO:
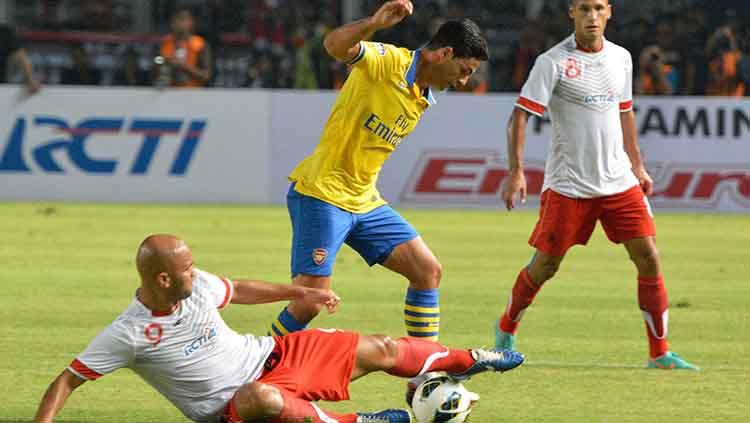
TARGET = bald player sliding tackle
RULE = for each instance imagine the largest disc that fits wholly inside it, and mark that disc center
(173, 337)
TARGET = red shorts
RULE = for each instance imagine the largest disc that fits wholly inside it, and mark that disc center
(312, 365)
(564, 221)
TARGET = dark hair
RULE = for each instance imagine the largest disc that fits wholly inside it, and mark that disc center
(572, 3)
(179, 12)
(464, 36)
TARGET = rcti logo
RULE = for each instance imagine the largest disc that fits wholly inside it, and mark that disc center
(74, 139)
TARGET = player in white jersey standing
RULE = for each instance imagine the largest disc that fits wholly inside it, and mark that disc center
(173, 337)
(594, 171)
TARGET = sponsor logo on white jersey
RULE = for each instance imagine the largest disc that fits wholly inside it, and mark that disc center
(196, 344)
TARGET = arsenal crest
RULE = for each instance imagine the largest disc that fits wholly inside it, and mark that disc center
(319, 255)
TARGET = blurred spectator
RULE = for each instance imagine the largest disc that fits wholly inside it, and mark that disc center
(304, 77)
(653, 72)
(277, 43)
(322, 64)
(97, 15)
(130, 73)
(10, 49)
(671, 54)
(186, 57)
(724, 56)
(260, 73)
(524, 55)
(694, 28)
(81, 72)
(744, 65)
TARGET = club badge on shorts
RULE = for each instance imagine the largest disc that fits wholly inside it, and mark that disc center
(319, 255)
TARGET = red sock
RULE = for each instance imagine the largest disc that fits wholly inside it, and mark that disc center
(521, 297)
(298, 410)
(652, 298)
(417, 356)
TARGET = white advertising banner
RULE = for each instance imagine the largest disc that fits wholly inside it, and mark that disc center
(697, 150)
(109, 144)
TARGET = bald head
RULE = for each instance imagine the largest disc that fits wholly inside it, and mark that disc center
(158, 253)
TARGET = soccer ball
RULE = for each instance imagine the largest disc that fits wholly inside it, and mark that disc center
(436, 398)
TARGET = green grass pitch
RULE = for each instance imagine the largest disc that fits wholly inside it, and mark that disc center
(67, 270)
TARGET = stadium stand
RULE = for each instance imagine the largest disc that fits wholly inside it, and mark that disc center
(679, 47)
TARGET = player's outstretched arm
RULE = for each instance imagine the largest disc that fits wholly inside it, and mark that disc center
(260, 292)
(343, 42)
(56, 395)
(516, 140)
(630, 144)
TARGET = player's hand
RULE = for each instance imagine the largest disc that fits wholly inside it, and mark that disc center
(516, 185)
(644, 180)
(325, 297)
(392, 13)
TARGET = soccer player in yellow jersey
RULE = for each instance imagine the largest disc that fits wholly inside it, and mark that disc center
(333, 199)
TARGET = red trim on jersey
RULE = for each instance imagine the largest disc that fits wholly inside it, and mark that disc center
(162, 313)
(228, 295)
(626, 106)
(587, 50)
(531, 105)
(84, 371)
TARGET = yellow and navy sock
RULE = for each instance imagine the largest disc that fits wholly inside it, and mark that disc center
(285, 324)
(422, 313)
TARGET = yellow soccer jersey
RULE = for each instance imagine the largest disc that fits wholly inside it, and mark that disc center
(378, 106)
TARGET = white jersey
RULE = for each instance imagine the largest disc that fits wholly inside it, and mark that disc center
(190, 356)
(585, 93)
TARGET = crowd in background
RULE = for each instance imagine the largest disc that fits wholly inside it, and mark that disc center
(678, 46)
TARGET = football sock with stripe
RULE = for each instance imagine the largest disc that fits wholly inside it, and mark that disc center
(422, 313)
(654, 304)
(417, 356)
(521, 297)
(285, 324)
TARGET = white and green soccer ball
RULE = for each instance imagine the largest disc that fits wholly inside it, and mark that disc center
(440, 399)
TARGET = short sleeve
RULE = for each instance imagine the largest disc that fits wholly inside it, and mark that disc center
(375, 59)
(220, 288)
(537, 91)
(626, 100)
(112, 349)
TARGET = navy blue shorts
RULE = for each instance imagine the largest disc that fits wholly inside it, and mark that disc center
(319, 229)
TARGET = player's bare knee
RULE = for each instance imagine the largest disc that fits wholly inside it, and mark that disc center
(435, 273)
(647, 261)
(544, 271)
(391, 347)
(258, 401)
(385, 351)
(303, 310)
(428, 277)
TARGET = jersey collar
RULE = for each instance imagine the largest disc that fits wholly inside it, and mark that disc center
(575, 45)
(411, 77)
(156, 313)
